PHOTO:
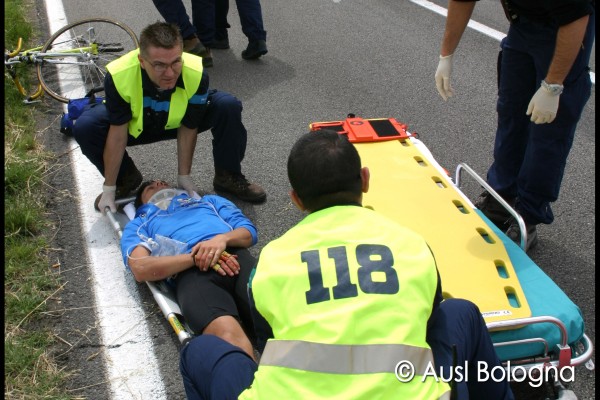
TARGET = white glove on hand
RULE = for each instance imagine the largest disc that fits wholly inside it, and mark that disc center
(107, 199)
(185, 182)
(543, 107)
(442, 77)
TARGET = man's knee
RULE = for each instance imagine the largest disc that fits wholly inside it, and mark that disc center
(91, 125)
(226, 327)
(224, 102)
(194, 351)
(457, 315)
(460, 307)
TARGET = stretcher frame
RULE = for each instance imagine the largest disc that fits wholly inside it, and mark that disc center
(565, 353)
(161, 291)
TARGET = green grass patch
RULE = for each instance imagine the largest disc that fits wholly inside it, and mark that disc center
(15, 23)
(30, 371)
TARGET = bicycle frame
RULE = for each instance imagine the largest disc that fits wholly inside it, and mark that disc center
(35, 56)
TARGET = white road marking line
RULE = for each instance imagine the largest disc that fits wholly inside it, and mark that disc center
(132, 367)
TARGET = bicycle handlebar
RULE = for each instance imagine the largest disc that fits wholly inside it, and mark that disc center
(17, 50)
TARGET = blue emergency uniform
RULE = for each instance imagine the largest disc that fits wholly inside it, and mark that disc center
(530, 159)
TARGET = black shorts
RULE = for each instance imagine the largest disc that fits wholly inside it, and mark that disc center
(204, 296)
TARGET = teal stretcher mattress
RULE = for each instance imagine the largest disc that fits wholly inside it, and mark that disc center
(545, 299)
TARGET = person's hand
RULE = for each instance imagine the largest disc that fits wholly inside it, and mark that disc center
(221, 262)
(227, 264)
(107, 199)
(442, 77)
(543, 107)
(185, 182)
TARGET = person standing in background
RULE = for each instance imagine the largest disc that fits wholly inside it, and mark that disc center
(212, 25)
(209, 29)
(174, 11)
(543, 86)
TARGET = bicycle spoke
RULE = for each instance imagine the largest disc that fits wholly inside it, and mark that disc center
(79, 53)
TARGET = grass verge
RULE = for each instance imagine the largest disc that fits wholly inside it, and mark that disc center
(30, 372)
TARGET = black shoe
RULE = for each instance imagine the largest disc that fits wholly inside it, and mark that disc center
(222, 44)
(255, 49)
(496, 212)
(238, 185)
(514, 233)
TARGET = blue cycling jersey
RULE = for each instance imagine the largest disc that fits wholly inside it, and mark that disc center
(187, 220)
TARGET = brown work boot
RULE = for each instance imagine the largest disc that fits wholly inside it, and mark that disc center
(194, 46)
(126, 186)
(237, 185)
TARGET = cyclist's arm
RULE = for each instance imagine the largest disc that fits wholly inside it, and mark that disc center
(147, 268)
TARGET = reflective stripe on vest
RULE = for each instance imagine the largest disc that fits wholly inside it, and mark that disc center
(344, 359)
(127, 77)
(347, 293)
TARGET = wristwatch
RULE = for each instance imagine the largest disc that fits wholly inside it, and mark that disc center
(553, 88)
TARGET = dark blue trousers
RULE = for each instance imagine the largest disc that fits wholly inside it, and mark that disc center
(214, 369)
(173, 11)
(210, 16)
(223, 116)
(530, 159)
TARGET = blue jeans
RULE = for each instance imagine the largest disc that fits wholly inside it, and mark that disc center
(210, 19)
(223, 116)
(530, 159)
(213, 369)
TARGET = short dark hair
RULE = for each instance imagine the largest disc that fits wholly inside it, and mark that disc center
(324, 170)
(138, 195)
(160, 34)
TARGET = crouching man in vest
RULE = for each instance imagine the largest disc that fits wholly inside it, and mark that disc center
(154, 93)
(349, 303)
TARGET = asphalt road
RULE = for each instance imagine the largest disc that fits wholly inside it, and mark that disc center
(326, 59)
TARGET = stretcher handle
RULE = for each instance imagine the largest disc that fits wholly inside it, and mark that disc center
(111, 216)
(169, 309)
(113, 221)
(163, 301)
(486, 186)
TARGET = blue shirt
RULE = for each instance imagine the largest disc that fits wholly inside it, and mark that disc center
(188, 220)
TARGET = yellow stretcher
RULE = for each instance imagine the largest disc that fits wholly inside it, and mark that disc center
(406, 186)
(532, 322)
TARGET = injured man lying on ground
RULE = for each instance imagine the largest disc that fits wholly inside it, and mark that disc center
(200, 246)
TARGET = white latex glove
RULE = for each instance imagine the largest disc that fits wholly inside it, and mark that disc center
(442, 77)
(543, 107)
(107, 199)
(185, 182)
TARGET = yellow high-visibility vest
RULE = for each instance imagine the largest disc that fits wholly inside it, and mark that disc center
(348, 294)
(127, 76)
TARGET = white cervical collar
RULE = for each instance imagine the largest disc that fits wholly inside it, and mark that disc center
(162, 198)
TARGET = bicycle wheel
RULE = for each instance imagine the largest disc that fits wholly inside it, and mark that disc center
(73, 60)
